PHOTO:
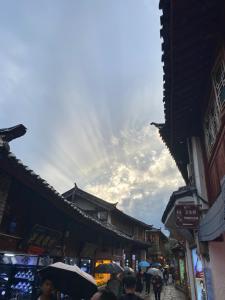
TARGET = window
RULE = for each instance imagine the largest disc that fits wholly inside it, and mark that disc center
(219, 82)
(103, 216)
(211, 124)
(217, 103)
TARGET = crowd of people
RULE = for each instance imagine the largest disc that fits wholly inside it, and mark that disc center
(129, 286)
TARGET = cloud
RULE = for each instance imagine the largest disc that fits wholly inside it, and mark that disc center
(85, 78)
(142, 177)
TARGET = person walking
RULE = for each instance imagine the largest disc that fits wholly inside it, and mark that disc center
(157, 286)
(115, 285)
(47, 290)
(104, 295)
(165, 276)
(130, 287)
(139, 282)
(148, 277)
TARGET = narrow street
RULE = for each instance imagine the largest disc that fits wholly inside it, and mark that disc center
(112, 150)
(169, 293)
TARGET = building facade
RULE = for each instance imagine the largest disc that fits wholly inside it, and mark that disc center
(157, 250)
(112, 217)
(39, 226)
(194, 132)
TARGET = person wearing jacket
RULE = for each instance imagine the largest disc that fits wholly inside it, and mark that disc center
(130, 287)
(157, 286)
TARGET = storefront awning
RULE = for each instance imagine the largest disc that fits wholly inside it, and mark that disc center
(213, 224)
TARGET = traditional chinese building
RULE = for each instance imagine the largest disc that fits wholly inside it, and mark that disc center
(157, 240)
(194, 131)
(38, 225)
(112, 217)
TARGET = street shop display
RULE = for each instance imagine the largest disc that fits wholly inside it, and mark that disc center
(18, 275)
(102, 278)
(182, 271)
(198, 276)
(70, 280)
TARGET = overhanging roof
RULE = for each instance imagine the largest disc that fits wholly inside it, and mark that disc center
(192, 33)
(15, 168)
(102, 203)
(77, 192)
(181, 192)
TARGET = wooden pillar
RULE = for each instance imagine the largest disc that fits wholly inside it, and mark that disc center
(5, 181)
(143, 254)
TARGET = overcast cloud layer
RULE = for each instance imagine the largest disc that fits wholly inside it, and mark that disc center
(85, 78)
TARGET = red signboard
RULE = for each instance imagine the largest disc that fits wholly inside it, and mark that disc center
(187, 215)
(35, 250)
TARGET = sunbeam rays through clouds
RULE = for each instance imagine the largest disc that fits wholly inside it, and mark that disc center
(85, 78)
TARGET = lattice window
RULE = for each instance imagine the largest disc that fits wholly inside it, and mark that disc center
(219, 82)
(211, 124)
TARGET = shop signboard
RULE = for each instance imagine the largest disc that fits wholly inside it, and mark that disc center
(42, 238)
(187, 215)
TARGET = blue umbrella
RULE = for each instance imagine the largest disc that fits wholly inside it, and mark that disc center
(155, 264)
(143, 264)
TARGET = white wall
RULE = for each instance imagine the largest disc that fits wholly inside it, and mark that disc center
(198, 165)
(217, 263)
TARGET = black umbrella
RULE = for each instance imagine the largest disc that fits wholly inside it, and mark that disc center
(70, 280)
(111, 268)
(128, 270)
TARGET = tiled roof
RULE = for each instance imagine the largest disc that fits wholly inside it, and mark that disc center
(83, 194)
(191, 32)
(12, 165)
(79, 192)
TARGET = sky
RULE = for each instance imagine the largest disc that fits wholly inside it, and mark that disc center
(85, 78)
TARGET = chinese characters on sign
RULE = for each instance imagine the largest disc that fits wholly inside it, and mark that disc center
(42, 239)
(187, 215)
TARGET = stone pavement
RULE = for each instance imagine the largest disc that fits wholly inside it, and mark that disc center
(169, 292)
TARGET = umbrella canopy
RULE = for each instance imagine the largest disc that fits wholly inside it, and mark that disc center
(70, 280)
(128, 270)
(154, 271)
(111, 268)
(155, 264)
(144, 264)
(166, 267)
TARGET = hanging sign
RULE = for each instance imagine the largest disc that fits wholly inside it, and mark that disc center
(187, 215)
(42, 238)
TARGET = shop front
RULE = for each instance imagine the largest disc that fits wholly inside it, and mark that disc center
(19, 275)
(180, 266)
(198, 275)
(21, 259)
(102, 279)
(181, 217)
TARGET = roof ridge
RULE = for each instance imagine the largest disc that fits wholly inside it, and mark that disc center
(12, 156)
